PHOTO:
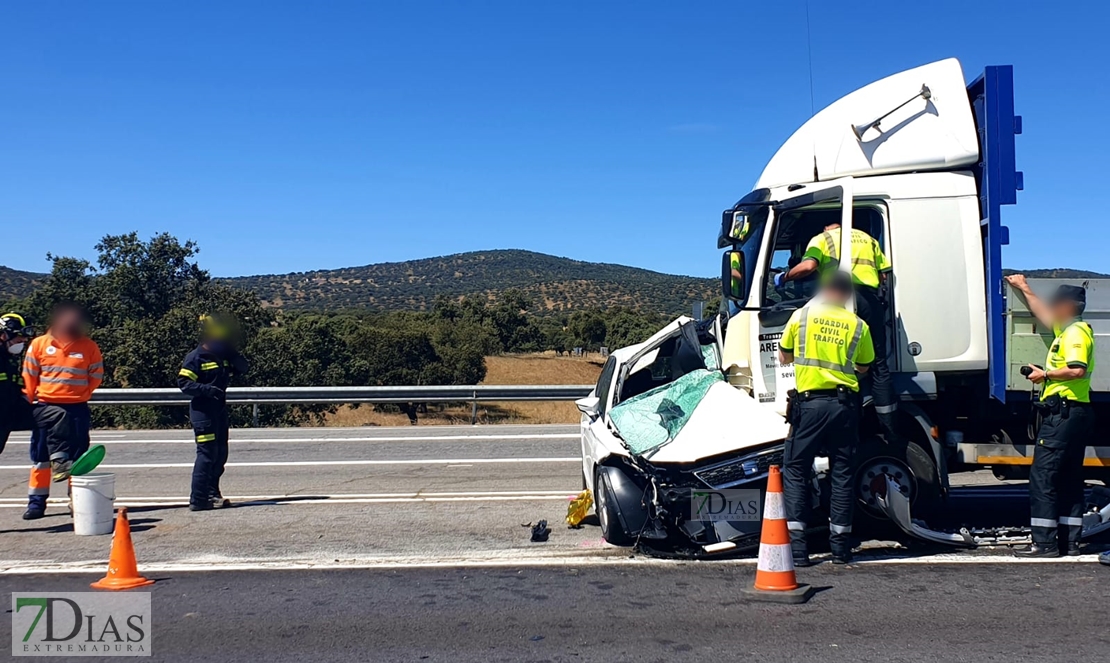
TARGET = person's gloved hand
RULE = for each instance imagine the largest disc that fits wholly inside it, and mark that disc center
(780, 280)
(214, 392)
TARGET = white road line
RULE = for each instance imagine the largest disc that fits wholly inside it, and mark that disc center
(131, 504)
(605, 556)
(317, 496)
(301, 440)
(318, 463)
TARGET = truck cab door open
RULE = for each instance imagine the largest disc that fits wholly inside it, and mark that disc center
(793, 222)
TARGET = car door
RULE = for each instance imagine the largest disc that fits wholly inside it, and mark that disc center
(596, 438)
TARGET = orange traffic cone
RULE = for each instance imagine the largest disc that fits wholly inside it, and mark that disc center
(123, 572)
(774, 575)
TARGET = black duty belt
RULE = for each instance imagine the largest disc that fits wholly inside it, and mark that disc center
(825, 393)
(1057, 404)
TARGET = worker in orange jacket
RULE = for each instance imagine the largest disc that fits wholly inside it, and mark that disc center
(62, 367)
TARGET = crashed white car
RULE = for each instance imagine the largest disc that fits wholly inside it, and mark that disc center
(662, 450)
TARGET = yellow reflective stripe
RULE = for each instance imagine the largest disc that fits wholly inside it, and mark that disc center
(3, 377)
(206, 438)
(209, 365)
(830, 246)
(827, 365)
(186, 373)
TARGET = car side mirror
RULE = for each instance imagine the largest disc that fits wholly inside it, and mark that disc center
(589, 406)
(732, 276)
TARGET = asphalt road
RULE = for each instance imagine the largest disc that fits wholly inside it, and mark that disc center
(328, 497)
(320, 496)
(406, 544)
(679, 612)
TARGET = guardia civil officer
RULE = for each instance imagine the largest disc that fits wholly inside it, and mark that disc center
(870, 270)
(204, 377)
(1056, 497)
(828, 345)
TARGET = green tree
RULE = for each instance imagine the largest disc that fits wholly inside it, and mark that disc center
(587, 328)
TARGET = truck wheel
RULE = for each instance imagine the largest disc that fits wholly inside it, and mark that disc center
(912, 469)
(605, 506)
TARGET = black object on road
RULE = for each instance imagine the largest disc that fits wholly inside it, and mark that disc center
(540, 532)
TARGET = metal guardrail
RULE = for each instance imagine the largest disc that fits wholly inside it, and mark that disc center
(338, 395)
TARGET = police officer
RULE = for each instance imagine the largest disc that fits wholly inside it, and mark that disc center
(1056, 485)
(18, 413)
(870, 271)
(828, 345)
(204, 377)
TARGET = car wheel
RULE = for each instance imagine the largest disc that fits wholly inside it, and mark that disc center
(606, 508)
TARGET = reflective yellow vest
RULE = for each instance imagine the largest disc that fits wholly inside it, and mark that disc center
(827, 341)
(867, 258)
(1074, 347)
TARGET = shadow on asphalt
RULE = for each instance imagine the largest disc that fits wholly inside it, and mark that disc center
(137, 525)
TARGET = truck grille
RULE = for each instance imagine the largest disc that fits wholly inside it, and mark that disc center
(748, 468)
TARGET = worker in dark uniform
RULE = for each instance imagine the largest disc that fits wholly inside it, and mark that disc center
(18, 413)
(828, 345)
(204, 377)
(1056, 498)
(870, 271)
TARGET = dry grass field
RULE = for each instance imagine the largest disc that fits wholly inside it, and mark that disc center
(505, 369)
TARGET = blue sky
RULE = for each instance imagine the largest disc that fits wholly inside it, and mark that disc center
(291, 136)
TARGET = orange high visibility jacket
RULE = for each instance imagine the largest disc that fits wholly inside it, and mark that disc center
(59, 373)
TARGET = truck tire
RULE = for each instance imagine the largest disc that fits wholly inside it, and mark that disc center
(909, 464)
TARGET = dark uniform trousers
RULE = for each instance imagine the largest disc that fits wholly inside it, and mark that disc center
(53, 422)
(211, 431)
(1056, 498)
(872, 310)
(821, 422)
(80, 419)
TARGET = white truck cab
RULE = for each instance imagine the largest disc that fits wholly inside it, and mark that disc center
(905, 170)
(923, 162)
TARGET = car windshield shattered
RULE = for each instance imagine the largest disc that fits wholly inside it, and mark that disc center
(653, 419)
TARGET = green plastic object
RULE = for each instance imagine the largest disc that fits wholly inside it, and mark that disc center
(88, 460)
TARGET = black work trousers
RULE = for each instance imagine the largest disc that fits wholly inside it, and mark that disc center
(1056, 498)
(872, 310)
(821, 423)
(52, 421)
(210, 428)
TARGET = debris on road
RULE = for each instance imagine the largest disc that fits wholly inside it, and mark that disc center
(540, 532)
(579, 508)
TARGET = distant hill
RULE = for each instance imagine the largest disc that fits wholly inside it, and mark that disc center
(1058, 273)
(15, 284)
(556, 284)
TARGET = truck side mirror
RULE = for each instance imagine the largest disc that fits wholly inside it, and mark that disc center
(735, 227)
(732, 276)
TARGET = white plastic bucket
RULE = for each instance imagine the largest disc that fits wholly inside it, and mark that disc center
(94, 497)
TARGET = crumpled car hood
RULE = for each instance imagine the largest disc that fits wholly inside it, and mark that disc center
(723, 419)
